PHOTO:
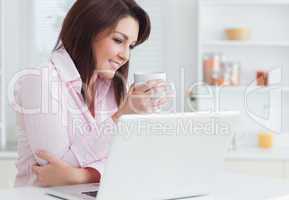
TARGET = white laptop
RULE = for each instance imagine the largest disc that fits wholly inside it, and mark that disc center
(161, 157)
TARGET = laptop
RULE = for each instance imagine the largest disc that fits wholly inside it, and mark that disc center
(161, 157)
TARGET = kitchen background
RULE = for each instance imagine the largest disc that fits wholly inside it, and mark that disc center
(221, 55)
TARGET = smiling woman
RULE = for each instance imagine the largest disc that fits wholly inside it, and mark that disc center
(85, 23)
(117, 44)
(67, 110)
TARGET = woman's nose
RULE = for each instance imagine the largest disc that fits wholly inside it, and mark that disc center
(124, 54)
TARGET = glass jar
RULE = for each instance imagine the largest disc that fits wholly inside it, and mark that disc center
(227, 72)
(212, 69)
(235, 79)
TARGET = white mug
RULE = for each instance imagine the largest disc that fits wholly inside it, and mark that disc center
(141, 78)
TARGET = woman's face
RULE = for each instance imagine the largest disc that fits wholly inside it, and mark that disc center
(111, 49)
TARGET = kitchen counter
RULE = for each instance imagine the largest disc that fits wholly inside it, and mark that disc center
(248, 153)
(8, 155)
(255, 153)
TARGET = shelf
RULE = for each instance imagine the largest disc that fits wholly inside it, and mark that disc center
(226, 43)
(235, 89)
(243, 87)
(245, 3)
(267, 49)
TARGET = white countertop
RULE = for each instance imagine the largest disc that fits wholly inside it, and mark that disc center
(242, 153)
(8, 155)
(229, 186)
(255, 153)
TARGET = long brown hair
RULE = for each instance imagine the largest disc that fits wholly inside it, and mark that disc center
(84, 21)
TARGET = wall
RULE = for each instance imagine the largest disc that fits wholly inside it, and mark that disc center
(178, 43)
(181, 44)
(12, 52)
(17, 48)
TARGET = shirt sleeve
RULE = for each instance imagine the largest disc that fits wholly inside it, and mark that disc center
(45, 131)
(98, 165)
(92, 149)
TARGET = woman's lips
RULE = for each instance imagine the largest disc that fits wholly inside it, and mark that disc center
(114, 64)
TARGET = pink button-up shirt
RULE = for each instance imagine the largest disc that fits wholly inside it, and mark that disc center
(52, 116)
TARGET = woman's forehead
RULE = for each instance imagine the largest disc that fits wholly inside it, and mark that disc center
(129, 27)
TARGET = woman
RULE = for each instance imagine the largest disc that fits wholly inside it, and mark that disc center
(68, 109)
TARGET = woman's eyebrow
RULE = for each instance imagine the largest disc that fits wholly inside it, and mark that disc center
(124, 35)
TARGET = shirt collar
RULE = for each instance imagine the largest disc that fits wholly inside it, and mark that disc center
(69, 74)
(65, 66)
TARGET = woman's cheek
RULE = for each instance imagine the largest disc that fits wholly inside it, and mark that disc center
(115, 49)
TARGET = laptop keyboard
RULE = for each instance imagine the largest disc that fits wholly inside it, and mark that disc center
(91, 193)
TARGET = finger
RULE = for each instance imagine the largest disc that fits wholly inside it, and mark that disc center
(36, 169)
(143, 96)
(160, 89)
(47, 156)
(149, 93)
(162, 101)
(156, 82)
(140, 88)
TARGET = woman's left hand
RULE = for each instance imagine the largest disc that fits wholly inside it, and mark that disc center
(55, 173)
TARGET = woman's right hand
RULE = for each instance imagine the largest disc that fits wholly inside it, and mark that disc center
(139, 98)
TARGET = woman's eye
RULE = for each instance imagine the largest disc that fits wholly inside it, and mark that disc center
(117, 40)
(132, 47)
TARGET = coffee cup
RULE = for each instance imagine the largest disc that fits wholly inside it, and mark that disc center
(140, 78)
(168, 92)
